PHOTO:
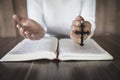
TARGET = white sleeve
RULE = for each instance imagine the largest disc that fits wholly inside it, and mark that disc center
(35, 12)
(88, 13)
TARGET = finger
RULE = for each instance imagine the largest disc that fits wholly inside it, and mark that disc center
(36, 36)
(33, 37)
(20, 20)
(22, 29)
(26, 31)
(75, 28)
(17, 18)
(85, 36)
(79, 18)
(22, 32)
(74, 35)
(25, 24)
(27, 34)
(18, 26)
(76, 23)
(87, 26)
(76, 40)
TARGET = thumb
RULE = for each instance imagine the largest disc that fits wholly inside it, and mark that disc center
(17, 18)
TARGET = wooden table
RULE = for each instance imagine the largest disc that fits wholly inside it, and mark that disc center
(56, 70)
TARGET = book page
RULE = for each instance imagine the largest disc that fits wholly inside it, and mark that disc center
(90, 51)
(30, 50)
(28, 46)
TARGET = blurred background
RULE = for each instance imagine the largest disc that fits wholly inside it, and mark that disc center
(107, 17)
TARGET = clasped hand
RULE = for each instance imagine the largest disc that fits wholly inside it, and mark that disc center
(76, 27)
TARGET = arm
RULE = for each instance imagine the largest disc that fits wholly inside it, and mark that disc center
(88, 13)
(88, 16)
(35, 12)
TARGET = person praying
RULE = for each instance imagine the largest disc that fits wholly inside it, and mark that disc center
(57, 18)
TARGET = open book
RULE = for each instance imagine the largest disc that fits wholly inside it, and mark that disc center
(52, 48)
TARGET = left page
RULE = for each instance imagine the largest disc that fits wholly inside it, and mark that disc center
(32, 50)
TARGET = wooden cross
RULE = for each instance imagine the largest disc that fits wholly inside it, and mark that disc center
(82, 33)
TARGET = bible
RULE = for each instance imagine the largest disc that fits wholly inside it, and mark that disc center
(52, 48)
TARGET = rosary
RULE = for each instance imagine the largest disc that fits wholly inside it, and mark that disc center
(82, 32)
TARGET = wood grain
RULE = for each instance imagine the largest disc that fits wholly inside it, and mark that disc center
(7, 25)
(67, 70)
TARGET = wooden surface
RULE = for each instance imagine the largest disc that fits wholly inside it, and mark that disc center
(107, 17)
(7, 25)
(69, 70)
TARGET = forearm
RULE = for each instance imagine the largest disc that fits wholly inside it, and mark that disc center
(88, 13)
(35, 12)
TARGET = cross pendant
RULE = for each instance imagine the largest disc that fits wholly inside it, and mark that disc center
(82, 32)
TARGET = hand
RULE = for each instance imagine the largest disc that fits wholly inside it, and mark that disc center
(29, 28)
(76, 27)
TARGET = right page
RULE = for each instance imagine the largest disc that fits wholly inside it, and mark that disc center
(69, 50)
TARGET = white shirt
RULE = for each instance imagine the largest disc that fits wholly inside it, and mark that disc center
(56, 16)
